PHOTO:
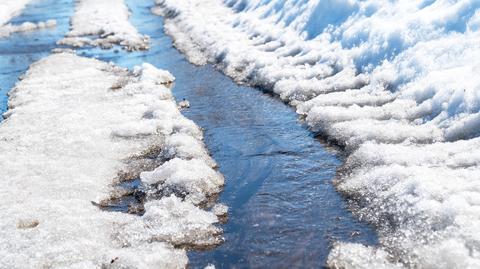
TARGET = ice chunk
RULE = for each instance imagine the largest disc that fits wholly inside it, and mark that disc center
(350, 256)
(151, 74)
(220, 210)
(171, 220)
(186, 147)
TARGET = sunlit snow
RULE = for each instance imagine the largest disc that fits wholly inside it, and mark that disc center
(394, 82)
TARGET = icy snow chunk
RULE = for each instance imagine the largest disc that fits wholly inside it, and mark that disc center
(186, 147)
(108, 21)
(175, 221)
(151, 74)
(184, 104)
(194, 176)
(220, 210)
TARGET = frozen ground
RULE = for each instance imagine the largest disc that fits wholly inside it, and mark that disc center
(75, 128)
(103, 23)
(395, 83)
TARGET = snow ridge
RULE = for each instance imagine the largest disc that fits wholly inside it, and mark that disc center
(74, 127)
(394, 82)
(107, 21)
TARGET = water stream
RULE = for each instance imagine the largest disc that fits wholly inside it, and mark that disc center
(284, 210)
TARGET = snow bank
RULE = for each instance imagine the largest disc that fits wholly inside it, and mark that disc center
(72, 126)
(107, 21)
(394, 82)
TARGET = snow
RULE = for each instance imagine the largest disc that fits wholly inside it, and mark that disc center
(357, 256)
(69, 131)
(107, 21)
(394, 82)
(193, 176)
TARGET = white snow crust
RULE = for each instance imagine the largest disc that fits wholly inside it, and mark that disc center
(394, 82)
(73, 123)
(103, 23)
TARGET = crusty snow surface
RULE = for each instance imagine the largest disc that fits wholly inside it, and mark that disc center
(395, 82)
(73, 125)
(103, 23)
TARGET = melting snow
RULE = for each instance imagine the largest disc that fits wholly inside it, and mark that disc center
(395, 82)
(69, 130)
